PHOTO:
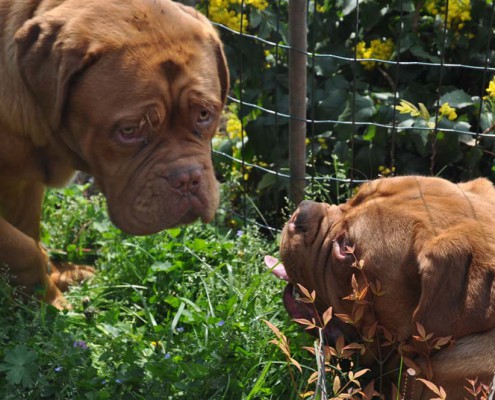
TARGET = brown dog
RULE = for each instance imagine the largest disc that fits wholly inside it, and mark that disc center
(128, 91)
(430, 244)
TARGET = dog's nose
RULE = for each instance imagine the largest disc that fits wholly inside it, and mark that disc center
(186, 180)
(304, 215)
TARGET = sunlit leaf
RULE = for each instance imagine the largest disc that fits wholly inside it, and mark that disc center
(336, 384)
(346, 318)
(295, 364)
(303, 321)
(274, 329)
(424, 112)
(304, 291)
(327, 316)
(438, 390)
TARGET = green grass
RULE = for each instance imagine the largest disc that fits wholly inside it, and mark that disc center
(168, 316)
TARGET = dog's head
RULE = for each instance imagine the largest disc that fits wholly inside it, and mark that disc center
(132, 92)
(430, 244)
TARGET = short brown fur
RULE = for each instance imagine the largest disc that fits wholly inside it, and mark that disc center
(431, 244)
(85, 86)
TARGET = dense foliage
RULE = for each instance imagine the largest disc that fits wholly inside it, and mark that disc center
(417, 51)
(168, 316)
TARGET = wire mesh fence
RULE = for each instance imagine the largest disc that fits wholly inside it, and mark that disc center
(386, 87)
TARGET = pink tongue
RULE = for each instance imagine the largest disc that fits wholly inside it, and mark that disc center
(276, 267)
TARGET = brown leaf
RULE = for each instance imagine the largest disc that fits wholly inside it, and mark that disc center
(346, 318)
(313, 378)
(359, 312)
(296, 364)
(274, 329)
(421, 329)
(304, 291)
(331, 351)
(327, 316)
(304, 300)
(406, 348)
(363, 293)
(353, 346)
(443, 341)
(303, 321)
(387, 335)
(438, 390)
(336, 384)
(354, 283)
(358, 374)
(370, 331)
(369, 391)
(351, 297)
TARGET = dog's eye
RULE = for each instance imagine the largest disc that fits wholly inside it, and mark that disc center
(134, 133)
(128, 131)
(204, 116)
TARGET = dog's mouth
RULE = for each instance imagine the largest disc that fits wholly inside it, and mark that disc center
(299, 309)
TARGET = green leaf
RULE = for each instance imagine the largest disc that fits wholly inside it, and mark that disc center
(163, 267)
(457, 99)
(20, 365)
(486, 120)
(370, 133)
(363, 109)
(349, 6)
(267, 181)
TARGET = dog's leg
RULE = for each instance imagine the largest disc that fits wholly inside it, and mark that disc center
(22, 258)
(471, 357)
(25, 264)
(65, 274)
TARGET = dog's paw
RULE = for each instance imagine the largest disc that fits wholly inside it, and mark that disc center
(65, 274)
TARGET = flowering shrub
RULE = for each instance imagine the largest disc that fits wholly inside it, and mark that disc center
(458, 12)
(432, 54)
(228, 13)
(380, 49)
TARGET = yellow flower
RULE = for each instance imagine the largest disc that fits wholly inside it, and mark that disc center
(407, 108)
(379, 49)
(234, 127)
(321, 8)
(491, 88)
(458, 12)
(220, 11)
(447, 111)
(323, 143)
(384, 171)
(259, 4)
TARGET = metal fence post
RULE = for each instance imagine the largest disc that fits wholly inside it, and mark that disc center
(297, 95)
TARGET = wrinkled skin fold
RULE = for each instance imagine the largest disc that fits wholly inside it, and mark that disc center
(431, 245)
(130, 92)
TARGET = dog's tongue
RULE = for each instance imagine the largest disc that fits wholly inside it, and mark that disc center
(276, 267)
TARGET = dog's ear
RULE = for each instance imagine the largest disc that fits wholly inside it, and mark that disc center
(48, 64)
(456, 282)
(223, 70)
(222, 66)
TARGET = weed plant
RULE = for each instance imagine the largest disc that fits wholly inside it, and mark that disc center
(188, 313)
(168, 316)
